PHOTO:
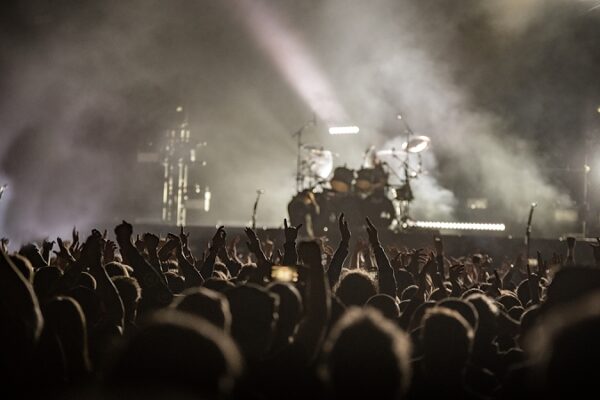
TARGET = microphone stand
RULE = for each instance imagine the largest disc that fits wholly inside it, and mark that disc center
(298, 135)
(258, 194)
(528, 230)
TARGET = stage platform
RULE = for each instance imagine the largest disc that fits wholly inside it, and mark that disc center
(496, 245)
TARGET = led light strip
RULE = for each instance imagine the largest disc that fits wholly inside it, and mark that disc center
(344, 130)
(459, 226)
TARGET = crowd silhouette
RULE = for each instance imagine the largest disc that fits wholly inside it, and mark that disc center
(144, 317)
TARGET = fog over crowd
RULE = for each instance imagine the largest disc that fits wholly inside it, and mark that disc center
(504, 89)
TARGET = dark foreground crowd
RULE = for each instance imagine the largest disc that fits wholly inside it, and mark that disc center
(146, 318)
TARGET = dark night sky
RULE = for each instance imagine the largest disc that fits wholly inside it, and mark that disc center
(507, 90)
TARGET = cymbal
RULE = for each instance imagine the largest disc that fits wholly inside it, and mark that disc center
(389, 152)
(314, 149)
(417, 144)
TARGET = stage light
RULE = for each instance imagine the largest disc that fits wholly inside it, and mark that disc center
(344, 130)
(459, 226)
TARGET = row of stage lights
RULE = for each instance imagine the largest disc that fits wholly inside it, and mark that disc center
(458, 226)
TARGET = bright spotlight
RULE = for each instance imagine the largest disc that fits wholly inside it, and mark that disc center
(344, 130)
(459, 226)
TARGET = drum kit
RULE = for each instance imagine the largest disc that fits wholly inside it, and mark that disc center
(325, 191)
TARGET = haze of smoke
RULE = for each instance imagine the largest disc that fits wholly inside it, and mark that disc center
(71, 112)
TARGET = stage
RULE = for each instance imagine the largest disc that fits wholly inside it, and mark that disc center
(496, 245)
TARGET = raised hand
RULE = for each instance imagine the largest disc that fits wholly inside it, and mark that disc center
(291, 232)
(46, 249)
(4, 244)
(397, 263)
(253, 242)
(183, 237)
(416, 259)
(344, 230)
(139, 244)
(91, 253)
(47, 245)
(151, 241)
(63, 251)
(166, 250)
(109, 251)
(74, 237)
(124, 231)
(219, 239)
(456, 271)
(372, 233)
(232, 247)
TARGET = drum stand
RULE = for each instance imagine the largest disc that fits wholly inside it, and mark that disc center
(298, 135)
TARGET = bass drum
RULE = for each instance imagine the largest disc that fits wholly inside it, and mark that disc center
(342, 180)
(369, 180)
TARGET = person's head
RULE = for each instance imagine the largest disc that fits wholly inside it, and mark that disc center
(367, 356)
(464, 308)
(130, 291)
(516, 313)
(115, 268)
(246, 272)
(404, 279)
(65, 322)
(290, 310)
(208, 304)
(523, 293)
(447, 340)
(90, 304)
(509, 300)
(409, 292)
(222, 268)
(45, 282)
(253, 318)
(487, 322)
(174, 354)
(175, 282)
(471, 291)
(386, 305)
(417, 317)
(565, 349)
(23, 265)
(529, 320)
(87, 280)
(218, 285)
(355, 288)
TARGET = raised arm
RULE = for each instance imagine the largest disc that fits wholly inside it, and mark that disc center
(318, 308)
(231, 261)
(290, 255)
(151, 242)
(262, 272)
(192, 276)
(91, 256)
(337, 261)
(385, 274)
(155, 293)
(218, 241)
